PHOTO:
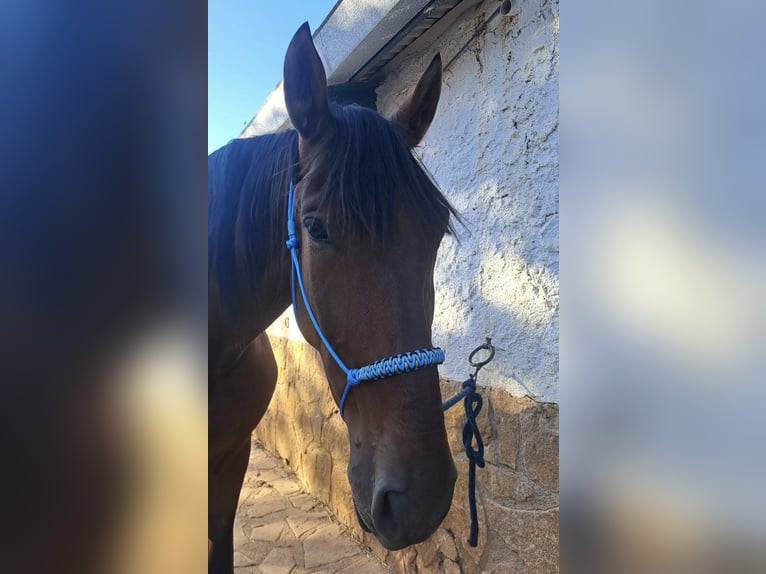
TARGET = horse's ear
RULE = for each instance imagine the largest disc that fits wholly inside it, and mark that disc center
(415, 115)
(305, 85)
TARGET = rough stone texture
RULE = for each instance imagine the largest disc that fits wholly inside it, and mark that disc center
(517, 490)
(279, 529)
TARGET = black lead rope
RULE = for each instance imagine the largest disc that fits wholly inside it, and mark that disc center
(472, 402)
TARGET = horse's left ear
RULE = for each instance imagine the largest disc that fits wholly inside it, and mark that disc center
(305, 85)
(414, 116)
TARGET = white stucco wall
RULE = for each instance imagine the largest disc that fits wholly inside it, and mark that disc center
(493, 149)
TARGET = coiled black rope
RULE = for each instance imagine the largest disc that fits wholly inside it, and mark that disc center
(472, 402)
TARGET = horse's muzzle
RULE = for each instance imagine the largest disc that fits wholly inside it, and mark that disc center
(402, 515)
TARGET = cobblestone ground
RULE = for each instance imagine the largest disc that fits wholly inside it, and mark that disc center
(280, 529)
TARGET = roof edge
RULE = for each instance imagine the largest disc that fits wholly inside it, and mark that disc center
(348, 38)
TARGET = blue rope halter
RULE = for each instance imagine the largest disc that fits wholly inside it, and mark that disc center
(380, 369)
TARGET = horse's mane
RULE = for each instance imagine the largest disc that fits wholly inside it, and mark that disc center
(366, 173)
(248, 180)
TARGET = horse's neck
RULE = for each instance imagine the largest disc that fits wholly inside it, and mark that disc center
(230, 332)
(250, 203)
(272, 293)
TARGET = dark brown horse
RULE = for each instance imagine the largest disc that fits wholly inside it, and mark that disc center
(369, 222)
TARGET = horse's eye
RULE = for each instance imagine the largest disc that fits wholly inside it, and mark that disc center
(316, 229)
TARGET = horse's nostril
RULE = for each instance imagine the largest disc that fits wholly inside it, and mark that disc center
(405, 513)
(386, 502)
(383, 514)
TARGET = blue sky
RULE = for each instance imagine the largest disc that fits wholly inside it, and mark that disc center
(247, 40)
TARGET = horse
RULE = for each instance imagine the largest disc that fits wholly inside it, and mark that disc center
(365, 223)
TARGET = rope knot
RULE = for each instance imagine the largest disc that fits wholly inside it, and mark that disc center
(352, 378)
(293, 242)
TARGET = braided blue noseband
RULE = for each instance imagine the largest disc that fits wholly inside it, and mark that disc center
(402, 363)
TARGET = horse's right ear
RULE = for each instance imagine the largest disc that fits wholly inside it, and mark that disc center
(305, 85)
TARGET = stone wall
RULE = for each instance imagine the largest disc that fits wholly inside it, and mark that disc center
(517, 490)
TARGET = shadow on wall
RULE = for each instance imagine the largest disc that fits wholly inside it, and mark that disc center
(505, 296)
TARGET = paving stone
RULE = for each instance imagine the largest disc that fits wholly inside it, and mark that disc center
(262, 462)
(240, 538)
(264, 508)
(278, 561)
(256, 550)
(281, 529)
(241, 559)
(263, 493)
(245, 494)
(328, 545)
(304, 501)
(363, 564)
(271, 475)
(268, 532)
(305, 523)
(288, 538)
(286, 486)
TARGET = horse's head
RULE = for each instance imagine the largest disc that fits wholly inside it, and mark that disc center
(370, 221)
